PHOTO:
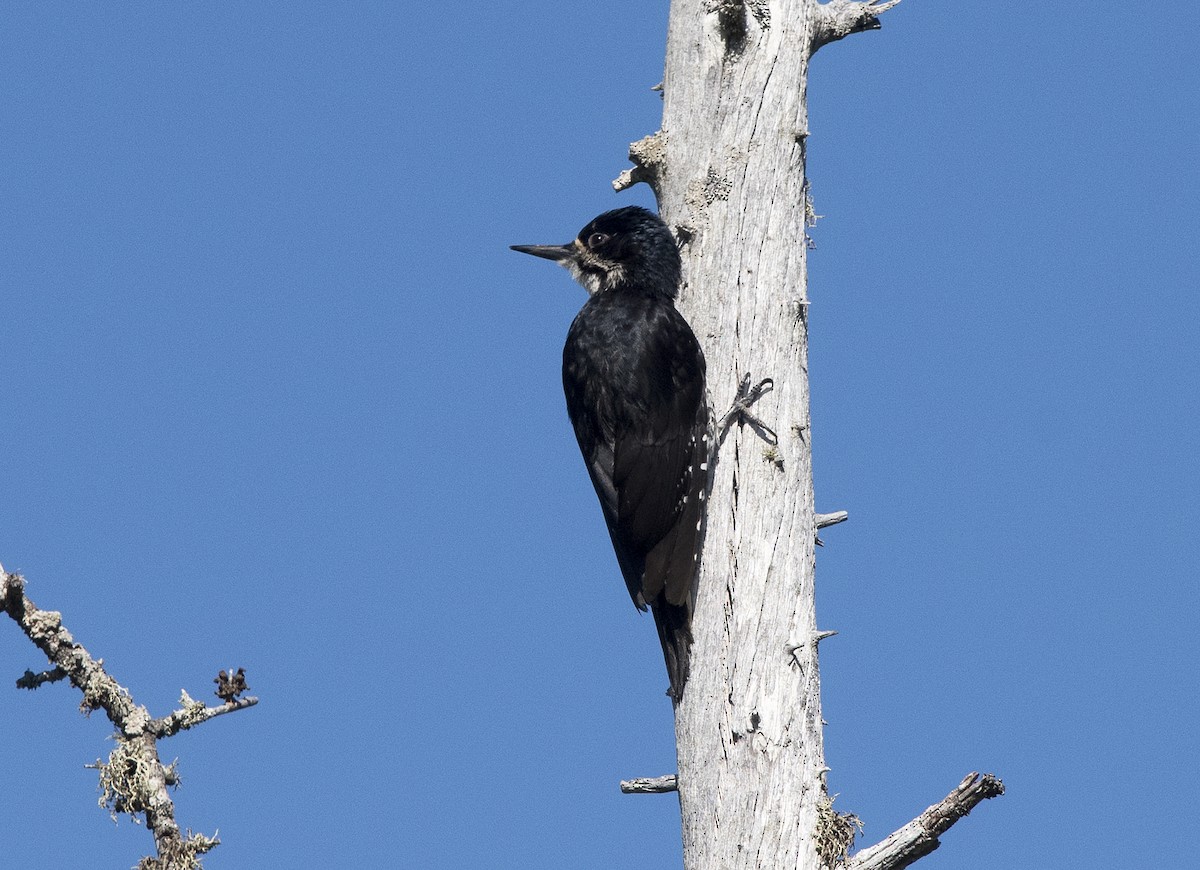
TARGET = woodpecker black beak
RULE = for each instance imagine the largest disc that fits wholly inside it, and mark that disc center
(558, 253)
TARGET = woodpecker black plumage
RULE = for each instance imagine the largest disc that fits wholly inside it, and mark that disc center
(633, 375)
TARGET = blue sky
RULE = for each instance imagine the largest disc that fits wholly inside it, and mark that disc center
(277, 395)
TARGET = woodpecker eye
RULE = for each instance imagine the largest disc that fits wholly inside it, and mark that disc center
(595, 240)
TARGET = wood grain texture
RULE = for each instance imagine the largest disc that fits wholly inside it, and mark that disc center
(729, 173)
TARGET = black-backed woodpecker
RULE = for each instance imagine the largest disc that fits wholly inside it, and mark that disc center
(633, 374)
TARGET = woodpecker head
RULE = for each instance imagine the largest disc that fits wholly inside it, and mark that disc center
(625, 247)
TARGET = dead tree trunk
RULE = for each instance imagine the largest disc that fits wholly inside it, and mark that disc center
(728, 168)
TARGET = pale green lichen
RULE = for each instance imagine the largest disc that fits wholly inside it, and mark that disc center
(123, 781)
(182, 854)
(835, 833)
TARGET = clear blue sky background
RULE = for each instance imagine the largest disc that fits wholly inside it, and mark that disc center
(276, 394)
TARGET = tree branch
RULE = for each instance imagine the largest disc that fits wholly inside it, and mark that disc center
(648, 155)
(832, 519)
(823, 520)
(31, 681)
(45, 629)
(650, 785)
(134, 779)
(838, 19)
(920, 836)
(193, 713)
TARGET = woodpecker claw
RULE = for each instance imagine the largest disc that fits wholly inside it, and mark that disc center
(740, 411)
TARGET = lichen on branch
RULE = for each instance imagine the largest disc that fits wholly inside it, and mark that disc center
(133, 781)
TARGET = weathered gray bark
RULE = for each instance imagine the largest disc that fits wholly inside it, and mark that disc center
(728, 168)
(748, 730)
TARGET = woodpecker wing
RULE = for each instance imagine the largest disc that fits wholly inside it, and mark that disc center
(660, 468)
(633, 377)
(671, 565)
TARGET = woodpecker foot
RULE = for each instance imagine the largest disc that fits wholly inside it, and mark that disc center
(740, 411)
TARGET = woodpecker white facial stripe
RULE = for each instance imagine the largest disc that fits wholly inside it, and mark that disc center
(592, 272)
(590, 281)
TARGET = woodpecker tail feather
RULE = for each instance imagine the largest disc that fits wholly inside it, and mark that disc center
(675, 634)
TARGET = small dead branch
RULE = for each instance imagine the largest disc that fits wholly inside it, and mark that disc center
(650, 785)
(192, 713)
(649, 157)
(920, 836)
(832, 519)
(838, 19)
(133, 780)
(30, 680)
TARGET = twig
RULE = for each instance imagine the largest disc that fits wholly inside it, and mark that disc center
(832, 519)
(838, 19)
(920, 836)
(193, 713)
(792, 648)
(650, 785)
(30, 680)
